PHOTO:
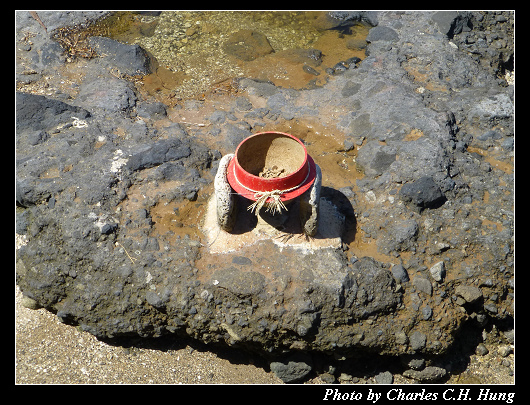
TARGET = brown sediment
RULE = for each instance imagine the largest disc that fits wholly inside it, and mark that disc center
(506, 167)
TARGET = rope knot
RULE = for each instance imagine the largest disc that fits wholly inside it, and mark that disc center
(274, 207)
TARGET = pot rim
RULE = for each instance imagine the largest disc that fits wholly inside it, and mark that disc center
(295, 184)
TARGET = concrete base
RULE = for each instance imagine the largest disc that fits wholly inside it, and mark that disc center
(249, 230)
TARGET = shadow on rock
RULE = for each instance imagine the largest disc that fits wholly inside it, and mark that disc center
(344, 206)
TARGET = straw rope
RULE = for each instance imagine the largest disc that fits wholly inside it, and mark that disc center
(276, 205)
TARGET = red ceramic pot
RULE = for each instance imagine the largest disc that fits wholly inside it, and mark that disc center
(273, 152)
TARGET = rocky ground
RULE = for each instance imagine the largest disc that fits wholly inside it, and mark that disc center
(415, 141)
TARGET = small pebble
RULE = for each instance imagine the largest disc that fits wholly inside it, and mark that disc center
(310, 70)
(504, 351)
(426, 312)
(385, 377)
(340, 67)
(481, 350)
(438, 271)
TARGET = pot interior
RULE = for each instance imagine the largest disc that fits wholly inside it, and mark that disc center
(271, 155)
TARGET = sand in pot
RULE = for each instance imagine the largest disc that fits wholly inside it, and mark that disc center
(271, 155)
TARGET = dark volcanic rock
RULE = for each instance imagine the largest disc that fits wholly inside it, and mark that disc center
(382, 34)
(451, 23)
(155, 154)
(34, 112)
(468, 293)
(129, 59)
(108, 95)
(372, 289)
(55, 19)
(428, 374)
(293, 368)
(110, 205)
(151, 110)
(244, 284)
(344, 19)
(400, 274)
(423, 193)
(399, 235)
